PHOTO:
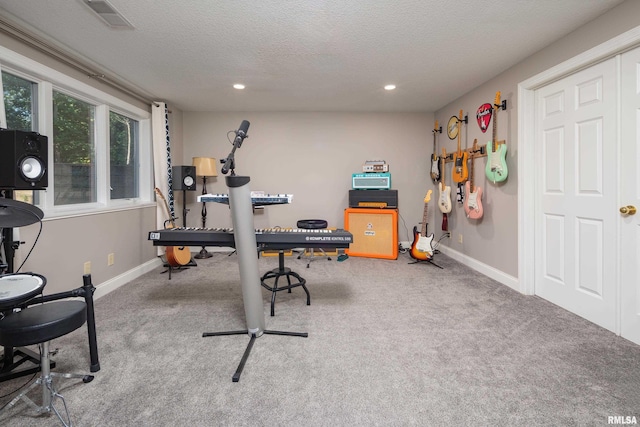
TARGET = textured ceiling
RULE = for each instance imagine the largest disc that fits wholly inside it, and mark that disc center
(305, 55)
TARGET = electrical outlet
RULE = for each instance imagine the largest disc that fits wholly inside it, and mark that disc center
(111, 259)
(459, 238)
(87, 267)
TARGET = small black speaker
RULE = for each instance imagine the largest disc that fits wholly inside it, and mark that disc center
(23, 163)
(184, 178)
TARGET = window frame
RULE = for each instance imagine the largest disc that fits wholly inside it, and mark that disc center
(48, 80)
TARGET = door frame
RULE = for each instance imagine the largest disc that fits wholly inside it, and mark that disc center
(526, 148)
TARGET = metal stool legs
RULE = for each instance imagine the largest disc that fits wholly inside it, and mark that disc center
(276, 274)
(312, 224)
(49, 391)
(311, 256)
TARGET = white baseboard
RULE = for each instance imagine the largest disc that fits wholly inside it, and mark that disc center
(485, 269)
(114, 283)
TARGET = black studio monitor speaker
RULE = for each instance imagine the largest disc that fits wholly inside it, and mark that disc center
(23, 160)
(184, 178)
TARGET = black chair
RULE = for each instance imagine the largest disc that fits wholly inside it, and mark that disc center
(276, 274)
(312, 224)
(38, 325)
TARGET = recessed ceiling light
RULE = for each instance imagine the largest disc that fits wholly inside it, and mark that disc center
(389, 87)
(238, 86)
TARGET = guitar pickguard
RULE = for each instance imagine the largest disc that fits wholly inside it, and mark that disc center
(496, 169)
(435, 169)
(445, 199)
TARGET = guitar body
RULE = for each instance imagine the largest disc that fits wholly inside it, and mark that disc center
(177, 256)
(435, 168)
(444, 201)
(421, 248)
(496, 169)
(460, 171)
(473, 202)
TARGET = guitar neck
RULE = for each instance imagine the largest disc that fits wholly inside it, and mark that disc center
(425, 219)
(166, 208)
(494, 145)
(471, 187)
(496, 107)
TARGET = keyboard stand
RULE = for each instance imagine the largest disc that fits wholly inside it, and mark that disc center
(245, 242)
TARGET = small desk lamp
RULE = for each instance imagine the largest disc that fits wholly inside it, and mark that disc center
(205, 167)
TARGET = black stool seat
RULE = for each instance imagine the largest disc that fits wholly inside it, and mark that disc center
(41, 323)
(312, 224)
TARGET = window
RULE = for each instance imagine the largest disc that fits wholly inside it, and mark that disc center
(123, 156)
(20, 97)
(99, 145)
(20, 104)
(73, 150)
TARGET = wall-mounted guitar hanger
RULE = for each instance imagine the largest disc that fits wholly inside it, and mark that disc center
(479, 152)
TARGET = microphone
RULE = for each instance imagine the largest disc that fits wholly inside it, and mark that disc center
(241, 134)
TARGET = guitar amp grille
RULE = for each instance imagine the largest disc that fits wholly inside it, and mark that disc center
(371, 181)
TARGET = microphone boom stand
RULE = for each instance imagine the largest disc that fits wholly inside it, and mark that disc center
(246, 247)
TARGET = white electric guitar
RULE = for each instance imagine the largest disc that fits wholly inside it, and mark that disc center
(444, 201)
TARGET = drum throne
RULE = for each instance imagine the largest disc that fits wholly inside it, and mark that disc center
(29, 318)
(38, 325)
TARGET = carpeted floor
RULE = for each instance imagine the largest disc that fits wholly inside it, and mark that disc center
(390, 344)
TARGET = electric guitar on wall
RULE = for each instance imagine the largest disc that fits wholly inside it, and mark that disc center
(459, 171)
(421, 248)
(473, 201)
(496, 169)
(176, 256)
(435, 163)
(444, 201)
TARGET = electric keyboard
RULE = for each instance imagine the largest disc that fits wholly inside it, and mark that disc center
(266, 238)
(256, 199)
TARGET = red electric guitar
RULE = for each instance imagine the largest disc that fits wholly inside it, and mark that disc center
(421, 248)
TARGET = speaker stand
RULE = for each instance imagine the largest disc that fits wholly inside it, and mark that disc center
(191, 262)
(204, 254)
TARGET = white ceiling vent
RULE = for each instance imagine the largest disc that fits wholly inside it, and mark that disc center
(108, 14)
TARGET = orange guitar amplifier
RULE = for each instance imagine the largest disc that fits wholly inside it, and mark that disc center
(375, 232)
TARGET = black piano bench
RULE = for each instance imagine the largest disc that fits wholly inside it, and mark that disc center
(39, 324)
(276, 274)
(312, 224)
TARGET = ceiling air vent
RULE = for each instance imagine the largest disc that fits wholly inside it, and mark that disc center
(108, 14)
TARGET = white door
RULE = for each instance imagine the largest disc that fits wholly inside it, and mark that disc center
(576, 217)
(630, 195)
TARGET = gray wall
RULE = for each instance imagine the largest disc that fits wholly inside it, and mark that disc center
(494, 239)
(67, 243)
(312, 156)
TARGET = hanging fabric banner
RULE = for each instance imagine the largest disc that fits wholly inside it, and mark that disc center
(162, 161)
